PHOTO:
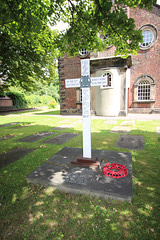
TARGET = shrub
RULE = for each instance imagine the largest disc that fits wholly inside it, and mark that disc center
(33, 100)
(18, 99)
(52, 104)
(45, 99)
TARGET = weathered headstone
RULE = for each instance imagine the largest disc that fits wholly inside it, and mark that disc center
(85, 82)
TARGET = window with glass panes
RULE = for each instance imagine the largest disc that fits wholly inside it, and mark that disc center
(144, 90)
(109, 80)
(148, 38)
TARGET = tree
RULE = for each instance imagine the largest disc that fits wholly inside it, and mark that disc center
(28, 45)
(89, 19)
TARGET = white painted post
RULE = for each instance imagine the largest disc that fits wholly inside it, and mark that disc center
(85, 71)
(85, 85)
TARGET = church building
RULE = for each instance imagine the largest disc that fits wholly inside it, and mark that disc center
(133, 84)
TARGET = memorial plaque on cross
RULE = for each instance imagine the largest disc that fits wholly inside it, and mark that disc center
(85, 82)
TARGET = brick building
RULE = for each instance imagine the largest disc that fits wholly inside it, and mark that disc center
(133, 83)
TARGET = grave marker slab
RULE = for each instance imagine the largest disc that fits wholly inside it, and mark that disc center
(128, 123)
(36, 137)
(158, 130)
(6, 137)
(131, 142)
(110, 122)
(61, 138)
(62, 127)
(120, 129)
(9, 124)
(13, 155)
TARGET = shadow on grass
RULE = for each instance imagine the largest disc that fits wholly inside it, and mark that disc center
(33, 212)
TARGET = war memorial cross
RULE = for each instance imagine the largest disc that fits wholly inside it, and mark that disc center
(86, 82)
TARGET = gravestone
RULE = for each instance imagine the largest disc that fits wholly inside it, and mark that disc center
(85, 82)
(120, 129)
(131, 142)
(13, 155)
(158, 130)
(6, 137)
(36, 137)
(61, 138)
(9, 124)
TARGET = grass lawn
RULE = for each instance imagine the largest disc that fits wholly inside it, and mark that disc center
(34, 212)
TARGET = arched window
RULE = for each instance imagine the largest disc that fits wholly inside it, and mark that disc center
(109, 80)
(144, 89)
(83, 53)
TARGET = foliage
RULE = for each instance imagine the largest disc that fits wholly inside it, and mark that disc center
(50, 90)
(22, 98)
(52, 104)
(27, 46)
(18, 99)
(88, 20)
(34, 100)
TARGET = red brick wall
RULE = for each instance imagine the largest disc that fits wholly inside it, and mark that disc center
(147, 61)
(6, 102)
(69, 68)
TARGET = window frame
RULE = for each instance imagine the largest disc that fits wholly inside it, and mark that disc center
(111, 80)
(83, 55)
(144, 90)
(151, 29)
(151, 83)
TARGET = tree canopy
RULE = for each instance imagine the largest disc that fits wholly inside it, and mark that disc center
(28, 46)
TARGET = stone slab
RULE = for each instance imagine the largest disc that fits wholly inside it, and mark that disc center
(59, 173)
(36, 137)
(13, 155)
(130, 142)
(158, 130)
(61, 127)
(120, 129)
(110, 122)
(77, 122)
(9, 124)
(128, 123)
(22, 126)
(61, 138)
(6, 137)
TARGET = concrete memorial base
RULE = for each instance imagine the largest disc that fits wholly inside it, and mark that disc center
(61, 174)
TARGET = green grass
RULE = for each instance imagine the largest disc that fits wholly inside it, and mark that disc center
(33, 212)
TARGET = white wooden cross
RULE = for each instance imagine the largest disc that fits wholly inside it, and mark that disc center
(85, 82)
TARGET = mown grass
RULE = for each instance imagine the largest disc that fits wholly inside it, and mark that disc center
(33, 212)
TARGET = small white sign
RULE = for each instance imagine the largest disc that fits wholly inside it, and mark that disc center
(98, 81)
(72, 83)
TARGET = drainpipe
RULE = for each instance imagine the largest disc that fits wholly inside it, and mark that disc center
(127, 87)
